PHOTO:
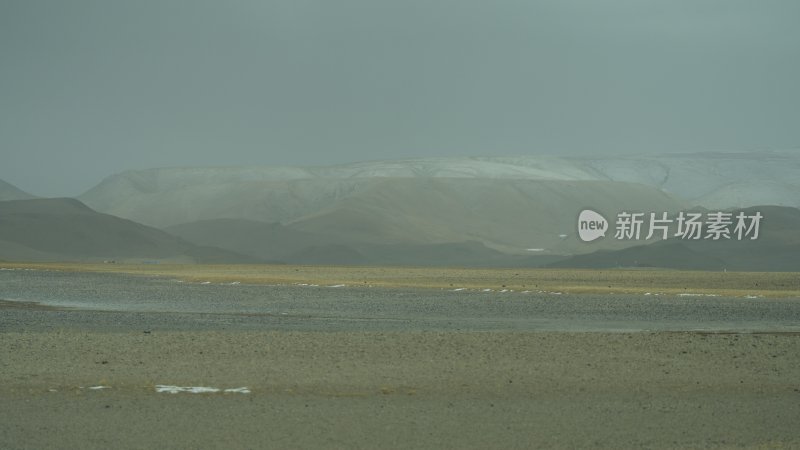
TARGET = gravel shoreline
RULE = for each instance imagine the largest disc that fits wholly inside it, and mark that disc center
(400, 390)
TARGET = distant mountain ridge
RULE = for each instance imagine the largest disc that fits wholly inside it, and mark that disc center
(64, 229)
(713, 180)
(513, 211)
(512, 205)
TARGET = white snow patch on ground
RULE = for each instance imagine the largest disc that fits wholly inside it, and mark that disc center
(199, 389)
(240, 390)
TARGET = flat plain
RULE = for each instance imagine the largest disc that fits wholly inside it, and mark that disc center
(336, 357)
(577, 281)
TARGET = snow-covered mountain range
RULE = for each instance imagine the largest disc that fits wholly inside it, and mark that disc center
(509, 204)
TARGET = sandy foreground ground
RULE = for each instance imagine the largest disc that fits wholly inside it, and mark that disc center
(84, 353)
(399, 390)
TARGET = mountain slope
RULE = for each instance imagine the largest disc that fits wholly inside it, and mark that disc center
(164, 197)
(278, 243)
(261, 240)
(66, 229)
(507, 215)
(713, 180)
(10, 192)
(776, 249)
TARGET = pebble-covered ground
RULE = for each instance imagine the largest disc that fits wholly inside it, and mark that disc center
(120, 361)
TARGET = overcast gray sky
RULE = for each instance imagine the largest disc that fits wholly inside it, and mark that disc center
(93, 87)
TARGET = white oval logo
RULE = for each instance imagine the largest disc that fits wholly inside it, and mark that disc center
(591, 225)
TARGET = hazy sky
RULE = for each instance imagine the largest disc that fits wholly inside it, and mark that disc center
(90, 88)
